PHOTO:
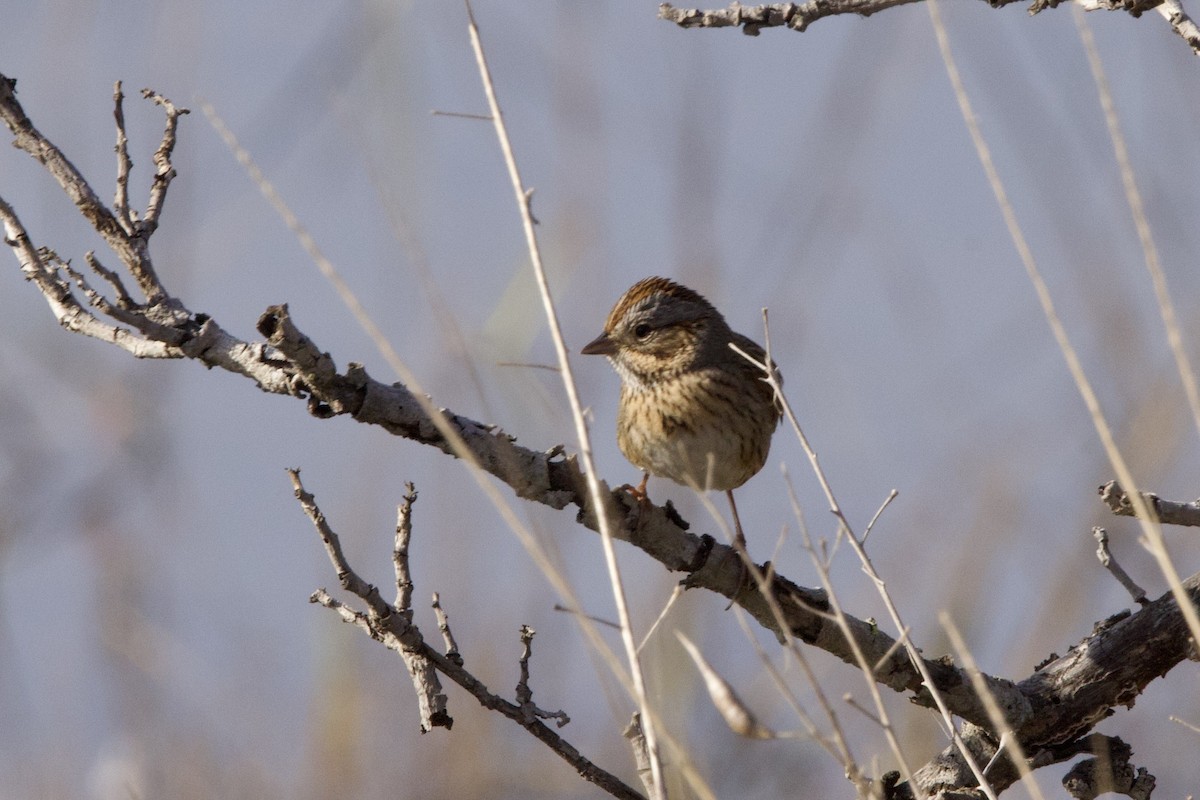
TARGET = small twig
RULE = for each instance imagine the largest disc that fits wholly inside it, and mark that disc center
(348, 614)
(1006, 740)
(404, 583)
(347, 577)
(1168, 512)
(1188, 725)
(164, 170)
(528, 198)
(1115, 569)
(124, 165)
(549, 367)
(461, 115)
(592, 617)
(676, 593)
(97, 300)
(124, 301)
(849, 700)
(443, 623)
(524, 693)
(892, 495)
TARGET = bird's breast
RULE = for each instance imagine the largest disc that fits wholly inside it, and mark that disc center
(700, 429)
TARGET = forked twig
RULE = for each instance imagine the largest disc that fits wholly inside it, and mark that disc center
(394, 628)
(524, 692)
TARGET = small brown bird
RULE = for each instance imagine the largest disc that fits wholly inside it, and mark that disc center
(692, 409)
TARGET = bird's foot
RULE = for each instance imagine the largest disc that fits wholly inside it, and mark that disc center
(637, 492)
(633, 520)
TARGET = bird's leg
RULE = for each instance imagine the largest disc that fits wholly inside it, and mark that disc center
(739, 546)
(739, 538)
(638, 492)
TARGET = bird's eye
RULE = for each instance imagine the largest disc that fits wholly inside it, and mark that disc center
(641, 331)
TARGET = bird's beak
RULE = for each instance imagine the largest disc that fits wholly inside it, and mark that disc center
(600, 346)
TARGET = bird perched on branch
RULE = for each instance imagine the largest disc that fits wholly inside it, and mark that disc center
(692, 408)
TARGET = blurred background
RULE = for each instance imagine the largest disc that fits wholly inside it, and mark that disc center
(155, 633)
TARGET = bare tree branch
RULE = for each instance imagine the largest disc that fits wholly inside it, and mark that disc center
(752, 19)
(798, 16)
(386, 623)
(1069, 695)
(1165, 511)
(132, 248)
(394, 628)
(525, 692)
(124, 163)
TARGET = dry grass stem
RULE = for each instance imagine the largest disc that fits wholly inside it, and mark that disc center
(523, 197)
(881, 588)
(1137, 209)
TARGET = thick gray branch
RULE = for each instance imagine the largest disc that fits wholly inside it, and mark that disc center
(1068, 695)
